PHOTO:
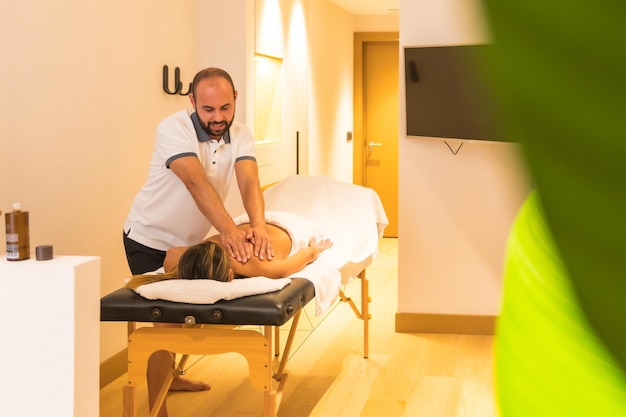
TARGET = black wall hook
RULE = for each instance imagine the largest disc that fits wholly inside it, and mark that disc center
(178, 85)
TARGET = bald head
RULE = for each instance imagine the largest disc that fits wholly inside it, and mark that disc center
(211, 73)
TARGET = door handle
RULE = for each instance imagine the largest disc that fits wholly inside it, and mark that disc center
(373, 144)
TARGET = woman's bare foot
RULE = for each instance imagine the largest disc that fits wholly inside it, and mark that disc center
(184, 384)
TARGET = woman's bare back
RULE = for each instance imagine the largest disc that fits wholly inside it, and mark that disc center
(281, 242)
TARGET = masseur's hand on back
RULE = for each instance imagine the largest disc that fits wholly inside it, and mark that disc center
(236, 243)
(263, 248)
(240, 244)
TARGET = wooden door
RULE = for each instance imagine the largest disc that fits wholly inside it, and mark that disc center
(380, 125)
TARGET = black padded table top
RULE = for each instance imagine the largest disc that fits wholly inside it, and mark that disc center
(271, 309)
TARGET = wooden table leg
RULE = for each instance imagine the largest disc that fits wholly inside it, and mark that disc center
(130, 405)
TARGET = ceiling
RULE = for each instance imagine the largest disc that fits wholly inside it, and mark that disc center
(369, 7)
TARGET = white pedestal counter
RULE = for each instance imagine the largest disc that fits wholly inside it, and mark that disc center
(50, 326)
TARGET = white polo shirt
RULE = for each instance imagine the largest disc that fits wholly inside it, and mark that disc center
(164, 214)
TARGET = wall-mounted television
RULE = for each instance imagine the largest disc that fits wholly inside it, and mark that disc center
(446, 93)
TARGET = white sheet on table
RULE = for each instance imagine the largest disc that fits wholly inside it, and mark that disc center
(351, 215)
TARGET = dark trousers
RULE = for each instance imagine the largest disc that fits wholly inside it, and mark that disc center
(141, 258)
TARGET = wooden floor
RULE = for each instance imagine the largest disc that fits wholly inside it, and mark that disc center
(406, 375)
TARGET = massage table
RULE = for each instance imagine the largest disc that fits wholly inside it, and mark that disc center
(214, 328)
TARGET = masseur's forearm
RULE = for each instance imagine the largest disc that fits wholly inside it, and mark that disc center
(250, 189)
(211, 206)
(254, 203)
(192, 174)
(232, 239)
(255, 207)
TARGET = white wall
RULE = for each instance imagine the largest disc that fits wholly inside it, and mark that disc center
(80, 98)
(375, 23)
(330, 91)
(226, 40)
(455, 211)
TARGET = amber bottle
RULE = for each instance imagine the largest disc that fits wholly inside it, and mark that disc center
(18, 236)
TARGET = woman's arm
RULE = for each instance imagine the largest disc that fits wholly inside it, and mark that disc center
(280, 268)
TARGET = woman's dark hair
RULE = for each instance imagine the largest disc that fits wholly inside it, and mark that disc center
(205, 260)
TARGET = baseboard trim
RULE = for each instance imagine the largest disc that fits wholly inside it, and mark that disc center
(445, 323)
(113, 368)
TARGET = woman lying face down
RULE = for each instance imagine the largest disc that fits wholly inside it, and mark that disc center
(208, 260)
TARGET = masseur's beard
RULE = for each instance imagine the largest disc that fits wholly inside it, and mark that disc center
(218, 132)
